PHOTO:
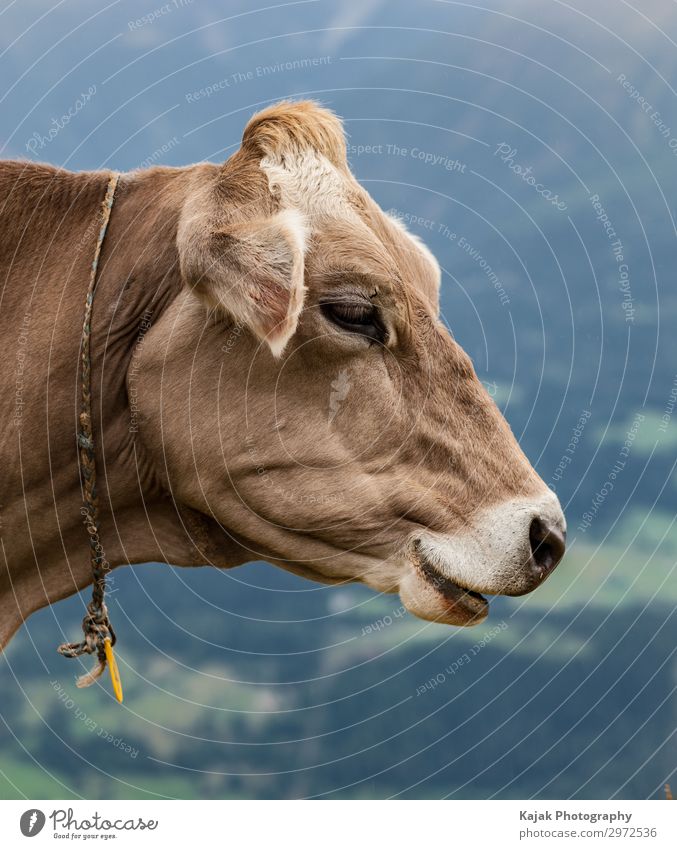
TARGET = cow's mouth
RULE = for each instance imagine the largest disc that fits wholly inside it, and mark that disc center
(471, 604)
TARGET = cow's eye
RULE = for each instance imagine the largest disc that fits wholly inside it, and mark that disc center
(355, 317)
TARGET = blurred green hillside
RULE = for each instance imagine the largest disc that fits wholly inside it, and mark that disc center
(561, 693)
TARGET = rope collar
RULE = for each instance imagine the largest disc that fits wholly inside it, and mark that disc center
(99, 636)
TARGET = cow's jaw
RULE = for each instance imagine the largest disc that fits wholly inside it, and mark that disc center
(430, 594)
(458, 600)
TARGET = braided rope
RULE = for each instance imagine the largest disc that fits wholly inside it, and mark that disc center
(96, 625)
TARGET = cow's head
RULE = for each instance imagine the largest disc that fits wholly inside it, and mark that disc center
(312, 402)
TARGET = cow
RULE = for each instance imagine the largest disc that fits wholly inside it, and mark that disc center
(271, 380)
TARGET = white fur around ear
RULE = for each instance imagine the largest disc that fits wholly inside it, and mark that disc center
(242, 234)
(294, 224)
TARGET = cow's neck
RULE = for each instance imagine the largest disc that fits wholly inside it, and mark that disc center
(49, 228)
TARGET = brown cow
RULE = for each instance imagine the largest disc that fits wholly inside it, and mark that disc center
(270, 379)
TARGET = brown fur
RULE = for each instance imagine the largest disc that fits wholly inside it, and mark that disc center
(209, 449)
(285, 126)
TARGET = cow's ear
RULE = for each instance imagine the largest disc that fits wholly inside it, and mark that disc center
(242, 232)
(253, 271)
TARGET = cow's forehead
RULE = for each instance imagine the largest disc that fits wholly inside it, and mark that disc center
(306, 180)
(420, 268)
(331, 199)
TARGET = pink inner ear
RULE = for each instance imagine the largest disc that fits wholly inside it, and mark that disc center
(278, 288)
(276, 309)
(272, 303)
(253, 271)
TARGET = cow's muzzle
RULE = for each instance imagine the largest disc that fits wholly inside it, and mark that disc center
(508, 549)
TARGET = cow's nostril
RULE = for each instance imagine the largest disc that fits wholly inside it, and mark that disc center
(547, 546)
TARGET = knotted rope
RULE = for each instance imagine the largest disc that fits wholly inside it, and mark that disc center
(99, 636)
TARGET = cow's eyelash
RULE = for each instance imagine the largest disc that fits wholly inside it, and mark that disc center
(355, 317)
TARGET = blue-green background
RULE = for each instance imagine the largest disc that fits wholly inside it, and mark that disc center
(254, 683)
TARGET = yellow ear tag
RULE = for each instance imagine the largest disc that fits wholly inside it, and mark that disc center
(113, 667)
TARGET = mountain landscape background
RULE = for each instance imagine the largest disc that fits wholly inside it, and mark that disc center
(533, 146)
